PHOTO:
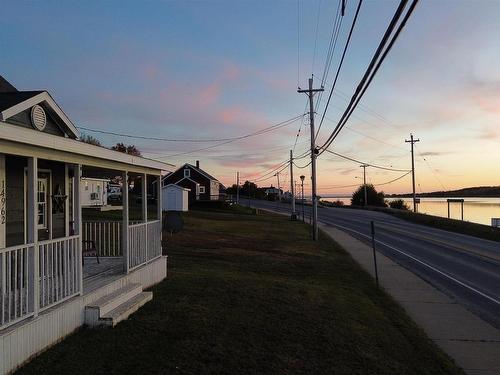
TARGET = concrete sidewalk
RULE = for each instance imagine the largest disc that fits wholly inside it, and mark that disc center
(470, 341)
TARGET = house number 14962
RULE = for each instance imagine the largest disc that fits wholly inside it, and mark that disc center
(2, 202)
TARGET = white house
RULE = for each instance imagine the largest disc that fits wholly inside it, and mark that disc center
(46, 291)
(94, 192)
(175, 198)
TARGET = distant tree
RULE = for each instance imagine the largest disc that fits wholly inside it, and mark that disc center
(86, 138)
(374, 198)
(130, 149)
(248, 189)
(399, 204)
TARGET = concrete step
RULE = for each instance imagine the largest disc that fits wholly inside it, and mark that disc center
(109, 302)
(126, 309)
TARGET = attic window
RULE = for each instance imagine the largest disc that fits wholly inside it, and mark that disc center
(187, 172)
(38, 117)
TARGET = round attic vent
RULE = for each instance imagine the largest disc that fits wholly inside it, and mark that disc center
(38, 117)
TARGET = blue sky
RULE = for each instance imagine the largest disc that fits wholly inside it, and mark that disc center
(216, 69)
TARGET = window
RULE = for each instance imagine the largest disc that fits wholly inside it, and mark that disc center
(187, 172)
(42, 203)
(202, 189)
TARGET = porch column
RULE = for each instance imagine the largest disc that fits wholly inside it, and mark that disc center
(125, 219)
(3, 202)
(159, 196)
(144, 200)
(77, 212)
(32, 231)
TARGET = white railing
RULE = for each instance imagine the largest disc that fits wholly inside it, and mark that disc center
(16, 284)
(107, 236)
(60, 267)
(144, 243)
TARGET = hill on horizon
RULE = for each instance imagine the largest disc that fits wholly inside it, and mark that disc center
(478, 191)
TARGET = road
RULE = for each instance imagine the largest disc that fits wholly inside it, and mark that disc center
(464, 267)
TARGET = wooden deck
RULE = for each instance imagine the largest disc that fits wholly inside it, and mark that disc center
(96, 275)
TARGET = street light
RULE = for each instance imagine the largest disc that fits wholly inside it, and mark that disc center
(302, 183)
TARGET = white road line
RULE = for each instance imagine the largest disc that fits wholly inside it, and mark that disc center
(423, 263)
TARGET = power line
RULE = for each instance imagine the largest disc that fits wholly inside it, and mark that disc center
(379, 184)
(373, 67)
(371, 165)
(346, 46)
(192, 140)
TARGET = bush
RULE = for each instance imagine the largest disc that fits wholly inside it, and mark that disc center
(399, 204)
(374, 198)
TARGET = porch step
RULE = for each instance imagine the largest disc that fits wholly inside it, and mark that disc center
(126, 309)
(121, 299)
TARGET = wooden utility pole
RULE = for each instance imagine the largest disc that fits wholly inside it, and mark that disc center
(310, 92)
(237, 187)
(364, 182)
(292, 187)
(279, 190)
(413, 141)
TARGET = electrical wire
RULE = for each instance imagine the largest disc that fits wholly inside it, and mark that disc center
(259, 132)
(346, 46)
(373, 68)
(368, 164)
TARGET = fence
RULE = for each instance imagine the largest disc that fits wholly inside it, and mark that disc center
(144, 243)
(60, 269)
(16, 283)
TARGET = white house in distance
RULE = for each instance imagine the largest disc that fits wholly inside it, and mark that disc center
(175, 198)
(46, 291)
(94, 192)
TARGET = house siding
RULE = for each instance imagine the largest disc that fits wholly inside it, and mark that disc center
(211, 186)
(23, 119)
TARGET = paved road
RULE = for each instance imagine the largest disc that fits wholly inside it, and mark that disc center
(464, 267)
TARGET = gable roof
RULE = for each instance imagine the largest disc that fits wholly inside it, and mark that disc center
(6, 86)
(14, 102)
(209, 176)
(201, 171)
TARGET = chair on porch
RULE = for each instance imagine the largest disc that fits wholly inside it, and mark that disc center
(89, 249)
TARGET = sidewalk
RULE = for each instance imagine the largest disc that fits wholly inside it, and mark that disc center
(471, 342)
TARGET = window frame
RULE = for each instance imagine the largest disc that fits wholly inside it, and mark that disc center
(201, 189)
(43, 203)
(188, 174)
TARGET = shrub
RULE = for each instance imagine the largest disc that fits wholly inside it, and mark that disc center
(399, 204)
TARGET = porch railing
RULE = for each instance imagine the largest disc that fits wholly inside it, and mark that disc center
(107, 236)
(16, 284)
(144, 243)
(59, 262)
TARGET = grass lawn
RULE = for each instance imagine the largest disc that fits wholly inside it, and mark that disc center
(251, 294)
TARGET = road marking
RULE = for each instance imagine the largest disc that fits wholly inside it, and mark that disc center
(424, 264)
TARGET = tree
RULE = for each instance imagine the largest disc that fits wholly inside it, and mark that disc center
(248, 189)
(374, 198)
(130, 149)
(399, 204)
(86, 138)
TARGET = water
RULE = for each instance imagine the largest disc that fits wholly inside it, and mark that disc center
(476, 210)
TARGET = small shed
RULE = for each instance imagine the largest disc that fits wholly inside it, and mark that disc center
(94, 192)
(175, 198)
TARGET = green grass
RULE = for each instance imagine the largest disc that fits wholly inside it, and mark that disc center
(251, 294)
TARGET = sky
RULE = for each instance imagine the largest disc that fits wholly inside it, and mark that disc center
(217, 69)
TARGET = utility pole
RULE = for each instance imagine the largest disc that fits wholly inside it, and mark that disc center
(310, 92)
(292, 187)
(279, 190)
(412, 141)
(237, 187)
(364, 182)
(302, 182)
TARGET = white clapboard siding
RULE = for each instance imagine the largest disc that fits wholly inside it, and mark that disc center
(144, 243)
(16, 284)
